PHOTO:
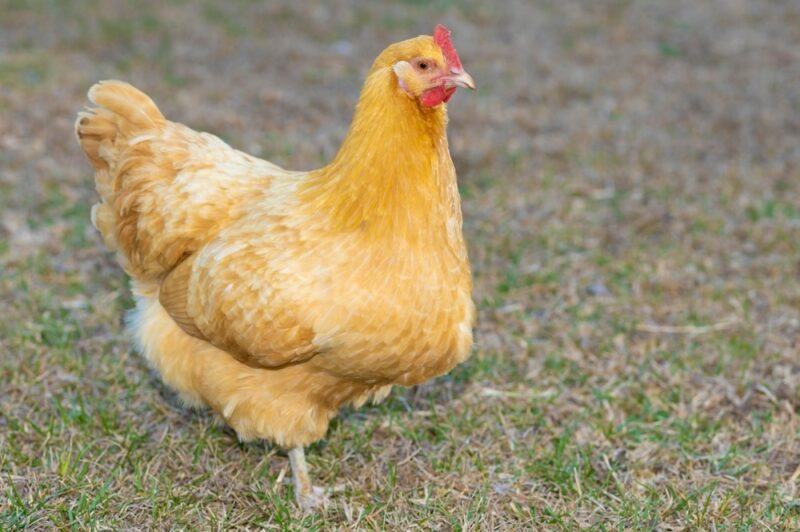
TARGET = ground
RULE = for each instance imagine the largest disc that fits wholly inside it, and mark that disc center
(630, 175)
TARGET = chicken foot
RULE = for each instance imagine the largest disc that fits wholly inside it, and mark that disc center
(308, 496)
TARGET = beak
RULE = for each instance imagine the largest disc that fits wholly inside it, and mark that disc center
(459, 78)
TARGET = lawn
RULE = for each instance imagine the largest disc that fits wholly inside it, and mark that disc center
(630, 177)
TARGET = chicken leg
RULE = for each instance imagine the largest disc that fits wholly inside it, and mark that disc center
(308, 496)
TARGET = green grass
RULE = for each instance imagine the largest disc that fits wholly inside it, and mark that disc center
(631, 204)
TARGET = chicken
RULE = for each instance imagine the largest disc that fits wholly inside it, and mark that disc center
(277, 297)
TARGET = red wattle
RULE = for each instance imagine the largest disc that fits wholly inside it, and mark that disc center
(435, 96)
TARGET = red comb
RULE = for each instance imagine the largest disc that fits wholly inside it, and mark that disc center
(441, 36)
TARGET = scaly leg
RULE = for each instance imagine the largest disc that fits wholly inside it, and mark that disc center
(308, 496)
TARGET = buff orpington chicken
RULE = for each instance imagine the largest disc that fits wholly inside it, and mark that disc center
(277, 297)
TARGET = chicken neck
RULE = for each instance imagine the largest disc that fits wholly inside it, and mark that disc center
(393, 175)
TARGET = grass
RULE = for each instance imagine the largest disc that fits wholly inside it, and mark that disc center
(629, 172)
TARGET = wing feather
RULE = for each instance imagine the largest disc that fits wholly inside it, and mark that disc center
(173, 296)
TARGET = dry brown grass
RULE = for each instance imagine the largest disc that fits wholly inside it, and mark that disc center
(631, 181)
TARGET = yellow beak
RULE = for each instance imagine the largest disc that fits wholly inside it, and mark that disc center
(459, 78)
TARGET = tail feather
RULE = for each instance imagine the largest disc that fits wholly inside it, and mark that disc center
(124, 111)
(135, 109)
(165, 189)
(106, 132)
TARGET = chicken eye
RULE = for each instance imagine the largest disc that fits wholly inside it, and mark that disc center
(422, 65)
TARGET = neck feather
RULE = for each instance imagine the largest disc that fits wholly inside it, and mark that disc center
(393, 173)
